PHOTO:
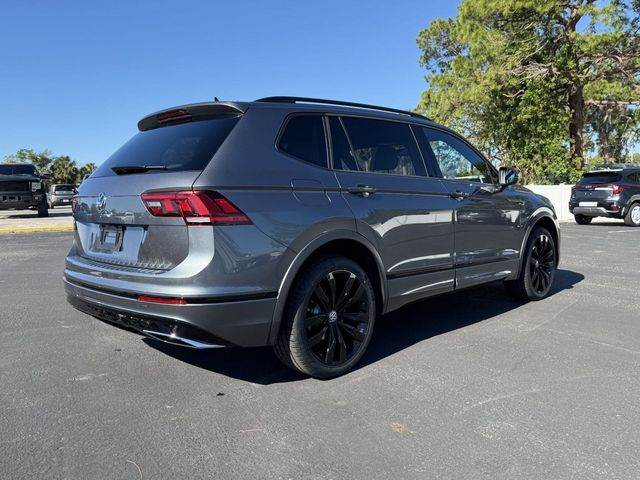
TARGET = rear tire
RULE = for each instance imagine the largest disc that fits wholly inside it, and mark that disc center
(43, 211)
(538, 267)
(328, 320)
(632, 218)
(582, 219)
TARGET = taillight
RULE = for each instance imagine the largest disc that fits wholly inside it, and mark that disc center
(173, 117)
(616, 189)
(74, 202)
(197, 208)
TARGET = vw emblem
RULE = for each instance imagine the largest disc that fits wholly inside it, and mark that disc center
(101, 204)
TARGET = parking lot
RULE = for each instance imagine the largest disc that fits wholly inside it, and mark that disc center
(467, 386)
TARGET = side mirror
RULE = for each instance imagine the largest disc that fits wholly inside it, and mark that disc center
(508, 176)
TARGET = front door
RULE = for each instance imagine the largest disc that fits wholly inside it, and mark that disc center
(487, 216)
(403, 212)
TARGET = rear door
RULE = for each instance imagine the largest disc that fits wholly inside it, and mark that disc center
(113, 223)
(403, 212)
(487, 219)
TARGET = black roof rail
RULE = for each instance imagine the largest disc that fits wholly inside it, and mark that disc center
(339, 102)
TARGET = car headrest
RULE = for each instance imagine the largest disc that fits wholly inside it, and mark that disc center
(385, 158)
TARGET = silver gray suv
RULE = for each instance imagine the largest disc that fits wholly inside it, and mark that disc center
(295, 222)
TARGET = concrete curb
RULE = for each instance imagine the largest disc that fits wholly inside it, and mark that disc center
(60, 228)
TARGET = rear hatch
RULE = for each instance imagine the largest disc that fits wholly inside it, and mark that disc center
(114, 224)
(595, 187)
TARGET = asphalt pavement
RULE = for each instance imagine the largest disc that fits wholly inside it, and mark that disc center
(472, 385)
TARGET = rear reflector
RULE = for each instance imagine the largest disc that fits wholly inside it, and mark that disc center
(164, 300)
(197, 208)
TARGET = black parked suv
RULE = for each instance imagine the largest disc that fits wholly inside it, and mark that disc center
(22, 187)
(613, 192)
(295, 222)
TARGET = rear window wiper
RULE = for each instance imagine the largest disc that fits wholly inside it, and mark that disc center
(126, 169)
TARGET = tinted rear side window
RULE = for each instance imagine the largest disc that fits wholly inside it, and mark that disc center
(188, 146)
(64, 188)
(383, 147)
(303, 138)
(599, 177)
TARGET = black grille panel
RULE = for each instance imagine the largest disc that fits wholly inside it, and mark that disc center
(14, 186)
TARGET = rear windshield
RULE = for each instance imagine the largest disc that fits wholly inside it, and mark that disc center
(20, 169)
(188, 146)
(64, 188)
(599, 177)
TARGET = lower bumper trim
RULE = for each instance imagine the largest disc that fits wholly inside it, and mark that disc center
(176, 340)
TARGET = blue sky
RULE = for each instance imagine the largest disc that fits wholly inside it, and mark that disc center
(76, 76)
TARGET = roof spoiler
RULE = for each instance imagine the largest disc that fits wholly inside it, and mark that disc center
(189, 113)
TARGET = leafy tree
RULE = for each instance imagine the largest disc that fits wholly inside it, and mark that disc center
(64, 170)
(526, 79)
(84, 170)
(41, 160)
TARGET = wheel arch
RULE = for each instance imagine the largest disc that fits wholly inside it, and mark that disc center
(346, 243)
(542, 217)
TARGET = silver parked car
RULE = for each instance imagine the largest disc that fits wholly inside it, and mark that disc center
(295, 222)
(60, 194)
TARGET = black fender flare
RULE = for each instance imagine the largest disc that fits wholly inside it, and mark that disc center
(303, 255)
(535, 217)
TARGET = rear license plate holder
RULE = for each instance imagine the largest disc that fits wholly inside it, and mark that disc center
(109, 239)
(588, 204)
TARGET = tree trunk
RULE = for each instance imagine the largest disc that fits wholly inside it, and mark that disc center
(576, 127)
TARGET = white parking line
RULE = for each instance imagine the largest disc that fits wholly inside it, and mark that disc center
(623, 231)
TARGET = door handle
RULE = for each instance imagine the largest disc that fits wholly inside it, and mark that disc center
(459, 195)
(363, 190)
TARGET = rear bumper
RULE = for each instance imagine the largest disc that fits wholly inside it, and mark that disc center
(201, 325)
(599, 211)
(59, 201)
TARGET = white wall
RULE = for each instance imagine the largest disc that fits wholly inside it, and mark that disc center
(559, 196)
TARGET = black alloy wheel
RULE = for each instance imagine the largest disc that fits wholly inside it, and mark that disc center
(329, 318)
(337, 318)
(542, 262)
(538, 267)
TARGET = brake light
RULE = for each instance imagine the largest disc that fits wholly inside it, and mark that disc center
(196, 208)
(163, 300)
(174, 116)
(616, 189)
(74, 202)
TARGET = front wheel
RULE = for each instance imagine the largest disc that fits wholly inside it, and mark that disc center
(43, 211)
(538, 267)
(583, 219)
(632, 218)
(328, 319)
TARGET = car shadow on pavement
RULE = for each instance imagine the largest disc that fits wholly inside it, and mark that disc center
(393, 333)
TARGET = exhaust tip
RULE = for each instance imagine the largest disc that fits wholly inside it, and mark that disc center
(174, 339)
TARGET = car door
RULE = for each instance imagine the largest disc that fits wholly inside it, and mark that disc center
(488, 217)
(403, 212)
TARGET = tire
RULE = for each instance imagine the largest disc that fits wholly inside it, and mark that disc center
(632, 218)
(324, 334)
(43, 211)
(582, 219)
(538, 267)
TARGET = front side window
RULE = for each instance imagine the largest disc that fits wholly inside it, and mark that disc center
(382, 147)
(455, 159)
(303, 138)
